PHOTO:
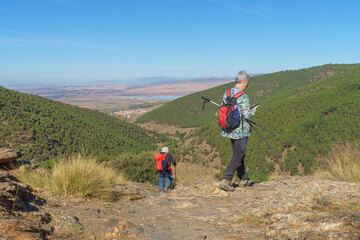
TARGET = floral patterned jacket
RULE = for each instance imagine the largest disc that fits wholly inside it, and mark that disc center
(244, 129)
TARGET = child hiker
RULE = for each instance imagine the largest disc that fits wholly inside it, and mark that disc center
(162, 164)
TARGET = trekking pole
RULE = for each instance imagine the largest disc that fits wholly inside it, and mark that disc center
(249, 121)
(175, 174)
(175, 178)
(208, 100)
(266, 141)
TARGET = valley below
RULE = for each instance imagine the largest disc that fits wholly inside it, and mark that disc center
(123, 97)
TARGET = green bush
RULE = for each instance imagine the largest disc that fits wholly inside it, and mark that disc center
(137, 167)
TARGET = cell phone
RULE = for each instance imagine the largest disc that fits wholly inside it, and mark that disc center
(255, 105)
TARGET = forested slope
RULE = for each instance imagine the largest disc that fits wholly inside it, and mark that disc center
(187, 111)
(43, 128)
(309, 120)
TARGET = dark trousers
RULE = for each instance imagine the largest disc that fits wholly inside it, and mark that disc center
(237, 161)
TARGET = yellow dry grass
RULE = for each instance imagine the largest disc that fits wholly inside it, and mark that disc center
(343, 162)
(275, 176)
(76, 176)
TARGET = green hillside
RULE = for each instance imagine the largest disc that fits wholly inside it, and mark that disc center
(43, 128)
(187, 111)
(309, 120)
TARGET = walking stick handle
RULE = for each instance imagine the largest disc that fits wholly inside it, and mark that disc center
(205, 99)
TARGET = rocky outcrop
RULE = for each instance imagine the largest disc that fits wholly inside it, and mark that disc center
(8, 155)
(14, 196)
(127, 193)
(21, 229)
(19, 218)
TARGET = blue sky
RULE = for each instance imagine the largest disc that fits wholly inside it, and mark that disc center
(76, 41)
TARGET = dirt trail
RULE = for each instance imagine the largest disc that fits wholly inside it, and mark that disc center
(290, 208)
(293, 208)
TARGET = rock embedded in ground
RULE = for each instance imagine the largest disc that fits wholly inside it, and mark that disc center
(21, 229)
(8, 155)
(127, 193)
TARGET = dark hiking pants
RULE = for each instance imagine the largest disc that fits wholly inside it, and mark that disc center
(237, 161)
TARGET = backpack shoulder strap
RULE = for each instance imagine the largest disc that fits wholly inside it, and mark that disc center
(168, 163)
(165, 158)
(228, 93)
(239, 94)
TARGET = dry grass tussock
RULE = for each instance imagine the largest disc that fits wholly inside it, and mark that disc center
(275, 176)
(76, 176)
(343, 163)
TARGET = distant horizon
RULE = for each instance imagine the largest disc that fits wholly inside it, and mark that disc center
(139, 80)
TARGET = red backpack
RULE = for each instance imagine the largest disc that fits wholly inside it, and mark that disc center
(158, 163)
(229, 113)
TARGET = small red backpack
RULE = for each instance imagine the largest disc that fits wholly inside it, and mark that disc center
(229, 113)
(159, 158)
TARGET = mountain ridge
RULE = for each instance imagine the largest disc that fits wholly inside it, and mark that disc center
(187, 111)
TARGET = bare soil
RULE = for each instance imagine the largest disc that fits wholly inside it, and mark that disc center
(289, 208)
(292, 208)
(163, 128)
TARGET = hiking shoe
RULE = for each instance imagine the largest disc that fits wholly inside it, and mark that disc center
(166, 189)
(226, 185)
(245, 182)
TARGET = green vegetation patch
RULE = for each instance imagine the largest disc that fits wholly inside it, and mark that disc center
(139, 168)
(354, 206)
(42, 129)
(187, 111)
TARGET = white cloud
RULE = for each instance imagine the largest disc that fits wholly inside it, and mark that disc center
(234, 5)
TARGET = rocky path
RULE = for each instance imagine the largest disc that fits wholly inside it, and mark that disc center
(291, 208)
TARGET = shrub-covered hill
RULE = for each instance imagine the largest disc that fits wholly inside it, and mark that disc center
(309, 120)
(42, 128)
(187, 111)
